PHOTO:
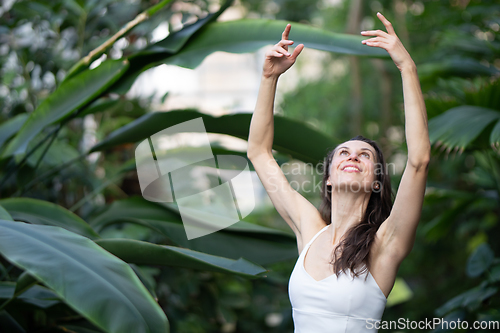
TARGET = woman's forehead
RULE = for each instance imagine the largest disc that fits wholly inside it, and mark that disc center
(355, 144)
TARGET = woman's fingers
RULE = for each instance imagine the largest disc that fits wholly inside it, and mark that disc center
(285, 33)
(373, 40)
(279, 49)
(379, 33)
(386, 23)
(285, 42)
(297, 51)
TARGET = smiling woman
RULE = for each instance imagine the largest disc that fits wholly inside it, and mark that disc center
(357, 232)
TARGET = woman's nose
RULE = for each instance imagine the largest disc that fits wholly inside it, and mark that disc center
(353, 156)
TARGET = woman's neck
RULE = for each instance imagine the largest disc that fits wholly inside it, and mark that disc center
(348, 210)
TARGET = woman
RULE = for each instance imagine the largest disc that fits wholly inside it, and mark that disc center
(350, 252)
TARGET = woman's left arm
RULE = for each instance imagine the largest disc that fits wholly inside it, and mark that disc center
(398, 231)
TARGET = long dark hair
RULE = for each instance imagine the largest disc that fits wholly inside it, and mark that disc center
(353, 251)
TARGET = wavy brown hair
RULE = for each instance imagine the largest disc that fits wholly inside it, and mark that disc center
(353, 251)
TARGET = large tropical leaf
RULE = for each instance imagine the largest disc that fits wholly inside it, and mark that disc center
(90, 280)
(256, 243)
(305, 144)
(37, 211)
(459, 126)
(144, 253)
(70, 96)
(189, 46)
(242, 36)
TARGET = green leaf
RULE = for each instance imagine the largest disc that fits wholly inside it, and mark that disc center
(459, 126)
(43, 212)
(144, 253)
(4, 215)
(90, 280)
(248, 35)
(470, 299)
(255, 243)
(11, 126)
(69, 97)
(480, 260)
(175, 41)
(24, 282)
(305, 144)
(400, 293)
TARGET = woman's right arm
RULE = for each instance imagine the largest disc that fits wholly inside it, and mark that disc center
(292, 206)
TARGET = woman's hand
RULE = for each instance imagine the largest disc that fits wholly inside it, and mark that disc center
(390, 42)
(278, 59)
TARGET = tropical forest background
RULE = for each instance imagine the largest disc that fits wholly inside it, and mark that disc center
(82, 251)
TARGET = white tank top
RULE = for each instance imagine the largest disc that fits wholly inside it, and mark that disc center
(334, 305)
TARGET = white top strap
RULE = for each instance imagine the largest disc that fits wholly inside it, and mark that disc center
(316, 236)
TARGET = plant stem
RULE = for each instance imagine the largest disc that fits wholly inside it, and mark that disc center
(97, 52)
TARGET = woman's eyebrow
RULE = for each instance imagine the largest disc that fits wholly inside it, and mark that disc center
(361, 149)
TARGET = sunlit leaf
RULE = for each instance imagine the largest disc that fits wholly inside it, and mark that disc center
(242, 36)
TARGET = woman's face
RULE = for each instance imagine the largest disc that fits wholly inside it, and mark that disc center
(353, 167)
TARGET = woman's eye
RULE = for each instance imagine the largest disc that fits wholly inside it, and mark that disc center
(343, 151)
(366, 154)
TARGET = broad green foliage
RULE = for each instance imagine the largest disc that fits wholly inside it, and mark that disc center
(75, 267)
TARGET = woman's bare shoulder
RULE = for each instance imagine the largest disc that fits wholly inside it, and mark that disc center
(308, 230)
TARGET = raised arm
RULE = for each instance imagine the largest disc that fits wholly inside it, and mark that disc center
(398, 231)
(292, 206)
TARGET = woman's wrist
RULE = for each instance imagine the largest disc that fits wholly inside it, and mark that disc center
(409, 68)
(272, 77)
